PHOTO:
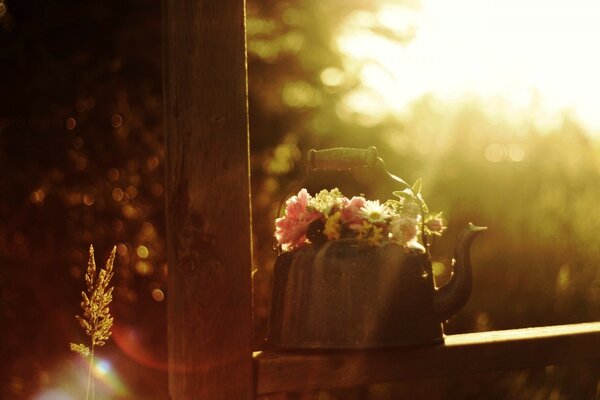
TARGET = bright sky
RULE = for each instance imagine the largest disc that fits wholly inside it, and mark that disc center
(537, 56)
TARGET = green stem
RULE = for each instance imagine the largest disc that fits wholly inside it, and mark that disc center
(93, 377)
(90, 378)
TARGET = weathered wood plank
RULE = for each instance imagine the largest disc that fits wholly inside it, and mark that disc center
(274, 396)
(208, 203)
(289, 396)
(461, 354)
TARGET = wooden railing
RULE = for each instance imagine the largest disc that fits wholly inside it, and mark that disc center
(279, 372)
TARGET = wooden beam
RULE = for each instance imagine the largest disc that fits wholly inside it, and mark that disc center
(208, 200)
(461, 354)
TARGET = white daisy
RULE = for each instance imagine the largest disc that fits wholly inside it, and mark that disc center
(374, 212)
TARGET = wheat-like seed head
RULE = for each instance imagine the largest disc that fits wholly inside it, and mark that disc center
(96, 320)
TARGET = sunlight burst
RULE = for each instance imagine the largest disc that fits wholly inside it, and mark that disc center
(532, 58)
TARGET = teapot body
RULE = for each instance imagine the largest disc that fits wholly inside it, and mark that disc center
(345, 295)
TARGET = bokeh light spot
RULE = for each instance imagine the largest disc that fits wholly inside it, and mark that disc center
(117, 194)
(152, 163)
(332, 76)
(438, 268)
(157, 189)
(80, 163)
(483, 322)
(563, 279)
(294, 41)
(516, 152)
(118, 225)
(495, 152)
(158, 295)
(147, 229)
(122, 249)
(130, 212)
(299, 94)
(113, 174)
(142, 252)
(143, 268)
(37, 196)
(131, 192)
(89, 199)
(75, 272)
(116, 121)
(70, 123)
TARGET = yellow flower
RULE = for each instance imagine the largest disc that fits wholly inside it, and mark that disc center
(326, 200)
(333, 227)
(372, 234)
(376, 238)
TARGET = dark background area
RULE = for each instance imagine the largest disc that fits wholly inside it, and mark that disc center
(81, 155)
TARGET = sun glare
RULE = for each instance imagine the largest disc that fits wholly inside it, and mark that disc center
(535, 57)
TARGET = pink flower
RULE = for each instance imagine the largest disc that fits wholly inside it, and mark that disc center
(435, 225)
(351, 213)
(291, 228)
(404, 229)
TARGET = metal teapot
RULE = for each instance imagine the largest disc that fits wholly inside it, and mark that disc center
(341, 295)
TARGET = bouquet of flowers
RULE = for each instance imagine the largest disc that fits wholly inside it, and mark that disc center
(329, 215)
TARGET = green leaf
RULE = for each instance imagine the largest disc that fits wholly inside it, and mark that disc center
(416, 187)
(404, 194)
(394, 206)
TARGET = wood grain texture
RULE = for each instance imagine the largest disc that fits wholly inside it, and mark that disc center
(461, 354)
(274, 396)
(208, 201)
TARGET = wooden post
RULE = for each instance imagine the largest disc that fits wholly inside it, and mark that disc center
(208, 200)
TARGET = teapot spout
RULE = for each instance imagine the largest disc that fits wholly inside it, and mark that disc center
(454, 294)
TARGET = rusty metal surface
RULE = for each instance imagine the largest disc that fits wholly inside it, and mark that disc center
(346, 295)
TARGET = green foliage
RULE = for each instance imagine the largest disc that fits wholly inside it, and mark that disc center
(411, 197)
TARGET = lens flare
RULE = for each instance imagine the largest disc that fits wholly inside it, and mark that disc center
(54, 394)
(69, 379)
(107, 378)
(102, 367)
(129, 343)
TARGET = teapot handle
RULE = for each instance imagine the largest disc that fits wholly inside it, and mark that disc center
(338, 159)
